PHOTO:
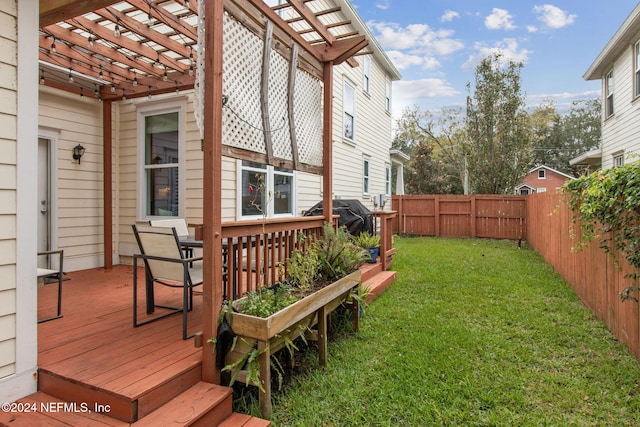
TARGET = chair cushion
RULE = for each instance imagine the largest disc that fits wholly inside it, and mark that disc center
(45, 272)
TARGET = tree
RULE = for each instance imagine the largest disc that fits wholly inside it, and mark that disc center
(565, 136)
(434, 144)
(498, 145)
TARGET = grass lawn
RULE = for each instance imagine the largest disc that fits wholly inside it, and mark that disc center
(473, 332)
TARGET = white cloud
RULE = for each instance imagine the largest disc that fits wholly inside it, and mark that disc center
(421, 89)
(508, 48)
(419, 37)
(402, 60)
(449, 15)
(417, 92)
(553, 17)
(532, 28)
(500, 19)
(383, 4)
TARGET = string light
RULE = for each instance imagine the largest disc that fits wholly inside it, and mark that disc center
(149, 95)
(191, 70)
(70, 76)
(135, 81)
(116, 30)
(177, 89)
(95, 90)
(191, 55)
(90, 40)
(124, 95)
(100, 74)
(165, 77)
(42, 77)
(53, 45)
(81, 93)
(113, 88)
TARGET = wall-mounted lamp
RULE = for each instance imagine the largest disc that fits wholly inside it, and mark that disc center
(78, 152)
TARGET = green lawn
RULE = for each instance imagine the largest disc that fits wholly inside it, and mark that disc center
(473, 332)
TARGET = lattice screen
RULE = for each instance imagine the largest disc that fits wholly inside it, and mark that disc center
(242, 62)
(307, 115)
(242, 116)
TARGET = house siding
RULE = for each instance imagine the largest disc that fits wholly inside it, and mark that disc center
(79, 219)
(372, 135)
(619, 131)
(8, 185)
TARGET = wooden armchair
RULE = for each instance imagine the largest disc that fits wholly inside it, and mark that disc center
(165, 264)
(52, 275)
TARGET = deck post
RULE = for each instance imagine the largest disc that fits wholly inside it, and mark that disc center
(327, 143)
(107, 178)
(212, 185)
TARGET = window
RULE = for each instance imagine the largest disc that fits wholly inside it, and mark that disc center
(349, 111)
(524, 191)
(388, 95)
(161, 136)
(365, 176)
(266, 191)
(608, 94)
(387, 180)
(618, 160)
(636, 69)
(367, 74)
(542, 174)
(542, 189)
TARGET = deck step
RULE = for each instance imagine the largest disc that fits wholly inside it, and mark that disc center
(204, 404)
(42, 409)
(369, 270)
(243, 420)
(378, 284)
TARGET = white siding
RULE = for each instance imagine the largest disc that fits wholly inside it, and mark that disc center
(620, 131)
(372, 135)
(79, 214)
(8, 186)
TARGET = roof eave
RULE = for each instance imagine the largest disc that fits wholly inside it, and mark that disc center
(616, 45)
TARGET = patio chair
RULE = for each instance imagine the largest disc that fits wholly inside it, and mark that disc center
(181, 227)
(165, 264)
(52, 275)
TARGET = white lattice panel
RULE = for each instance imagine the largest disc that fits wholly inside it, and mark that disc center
(242, 117)
(242, 64)
(278, 109)
(307, 115)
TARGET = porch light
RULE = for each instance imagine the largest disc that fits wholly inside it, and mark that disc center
(78, 152)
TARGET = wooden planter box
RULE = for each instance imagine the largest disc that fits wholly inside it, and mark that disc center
(290, 322)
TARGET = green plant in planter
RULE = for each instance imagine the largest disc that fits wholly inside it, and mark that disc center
(367, 240)
(606, 205)
(337, 254)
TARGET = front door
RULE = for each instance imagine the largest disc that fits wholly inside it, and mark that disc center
(44, 195)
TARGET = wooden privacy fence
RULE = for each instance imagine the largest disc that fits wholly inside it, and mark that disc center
(590, 272)
(490, 216)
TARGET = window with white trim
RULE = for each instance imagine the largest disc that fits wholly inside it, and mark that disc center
(387, 105)
(366, 84)
(265, 191)
(608, 90)
(387, 179)
(618, 160)
(636, 69)
(524, 191)
(542, 174)
(349, 111)
(365, 175)
(160, 164)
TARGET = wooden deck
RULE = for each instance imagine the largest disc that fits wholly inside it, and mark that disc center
(94, 356)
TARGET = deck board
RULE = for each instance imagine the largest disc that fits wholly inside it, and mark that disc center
(95, 343)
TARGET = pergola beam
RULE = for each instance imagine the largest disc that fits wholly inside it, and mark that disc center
(52, 11)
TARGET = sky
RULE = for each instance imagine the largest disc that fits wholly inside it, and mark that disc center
(436, 45)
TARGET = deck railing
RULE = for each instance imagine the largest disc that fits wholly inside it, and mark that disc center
(255, 251)
(384, 225)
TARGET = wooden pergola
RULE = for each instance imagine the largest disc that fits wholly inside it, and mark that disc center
(114, 50)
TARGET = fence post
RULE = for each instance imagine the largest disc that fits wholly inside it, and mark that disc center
(474, 232)
(436, 208)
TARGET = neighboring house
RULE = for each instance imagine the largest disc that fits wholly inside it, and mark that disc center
(151, 146)
(618, 67)
(542, 179)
